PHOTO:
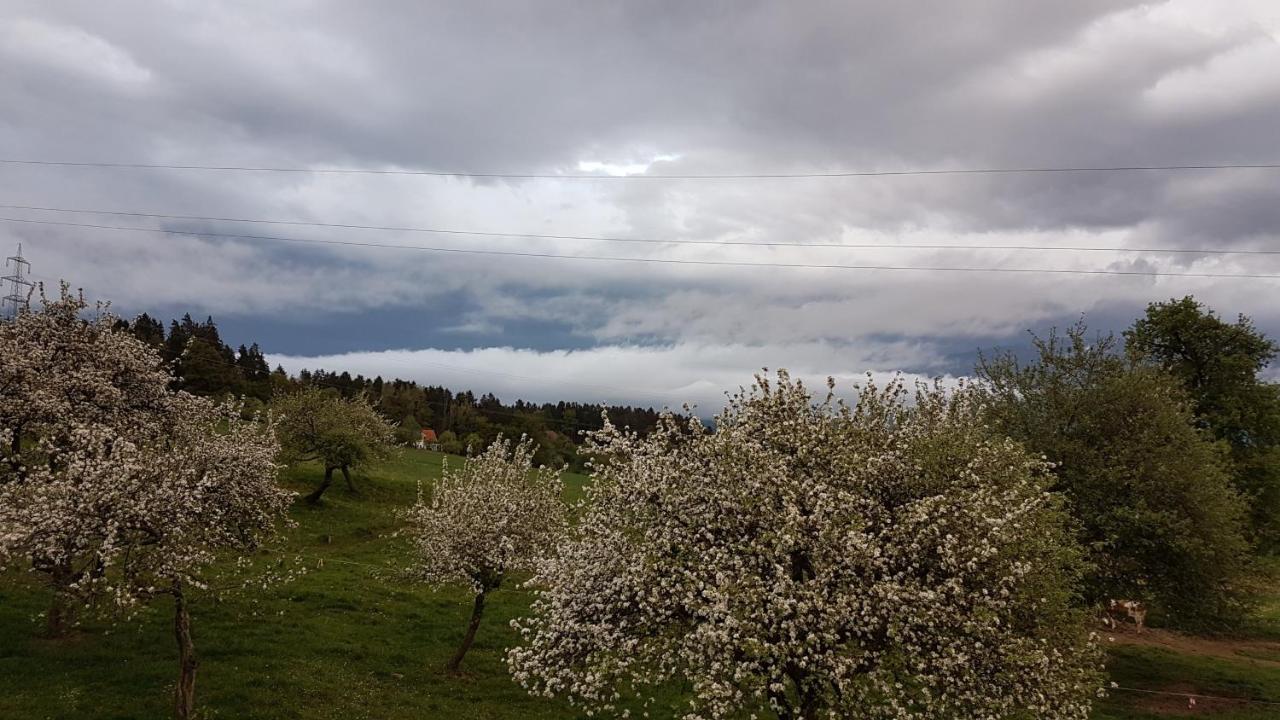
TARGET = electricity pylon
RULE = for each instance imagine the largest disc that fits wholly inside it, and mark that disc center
(17, 299)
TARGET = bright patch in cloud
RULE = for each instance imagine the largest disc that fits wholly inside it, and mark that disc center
(623, 169)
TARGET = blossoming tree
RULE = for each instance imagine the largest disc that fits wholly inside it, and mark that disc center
(319, 424)
(494, 516)
(806, 560)
(60, 377)
(134, 504)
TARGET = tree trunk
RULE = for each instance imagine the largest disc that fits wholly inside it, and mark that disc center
(184, 698)
(15, 456)
(347, 476)
(470, 637)
(62, 609)
(61, 615)
(314, 497)
(803, 702)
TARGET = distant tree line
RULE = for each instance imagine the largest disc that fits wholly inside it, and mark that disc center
(203, 364)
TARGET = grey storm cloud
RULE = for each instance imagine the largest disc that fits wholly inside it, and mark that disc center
(666, 87)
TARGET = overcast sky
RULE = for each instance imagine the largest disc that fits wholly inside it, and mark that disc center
(611, 88)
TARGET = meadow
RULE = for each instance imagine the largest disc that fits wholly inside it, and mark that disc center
(352, 639)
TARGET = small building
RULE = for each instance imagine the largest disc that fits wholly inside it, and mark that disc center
(429, 441)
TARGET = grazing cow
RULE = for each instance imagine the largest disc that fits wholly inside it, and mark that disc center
(1118, 610)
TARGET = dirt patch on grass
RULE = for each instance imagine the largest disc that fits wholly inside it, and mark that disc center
(1259, 652)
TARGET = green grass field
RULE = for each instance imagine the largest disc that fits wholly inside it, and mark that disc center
(351, 640)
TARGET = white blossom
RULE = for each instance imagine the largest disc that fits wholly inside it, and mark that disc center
(119, 482)
(816, 560)
(493, 516)
(116, 487)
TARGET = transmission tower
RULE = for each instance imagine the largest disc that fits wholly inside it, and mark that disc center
(19, 287)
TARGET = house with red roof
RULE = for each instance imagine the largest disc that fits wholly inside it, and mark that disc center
(429, 440)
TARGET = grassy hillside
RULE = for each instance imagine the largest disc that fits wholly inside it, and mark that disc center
(351, 640)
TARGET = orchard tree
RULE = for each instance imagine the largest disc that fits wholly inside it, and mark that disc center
(1220, 363)
(62, 375)
(816, 560)
(149, 511)
(117, 488)
(1150, 492)
(494, 516)
(340, 433)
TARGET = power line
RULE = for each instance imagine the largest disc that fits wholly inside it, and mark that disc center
(653, 241)
(659, 261)
(1227, 698)
(582, 176)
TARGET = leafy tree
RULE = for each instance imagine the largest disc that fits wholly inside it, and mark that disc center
(408, 431)
(1149, 491)
(1220, 364)
(816, 560)
(494, 516)
(556, 450)
(340, 433)
(203, 364)
(450, 443)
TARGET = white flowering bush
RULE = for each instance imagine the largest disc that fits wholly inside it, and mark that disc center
(808, 560)
(118, 489)
(493, 516)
